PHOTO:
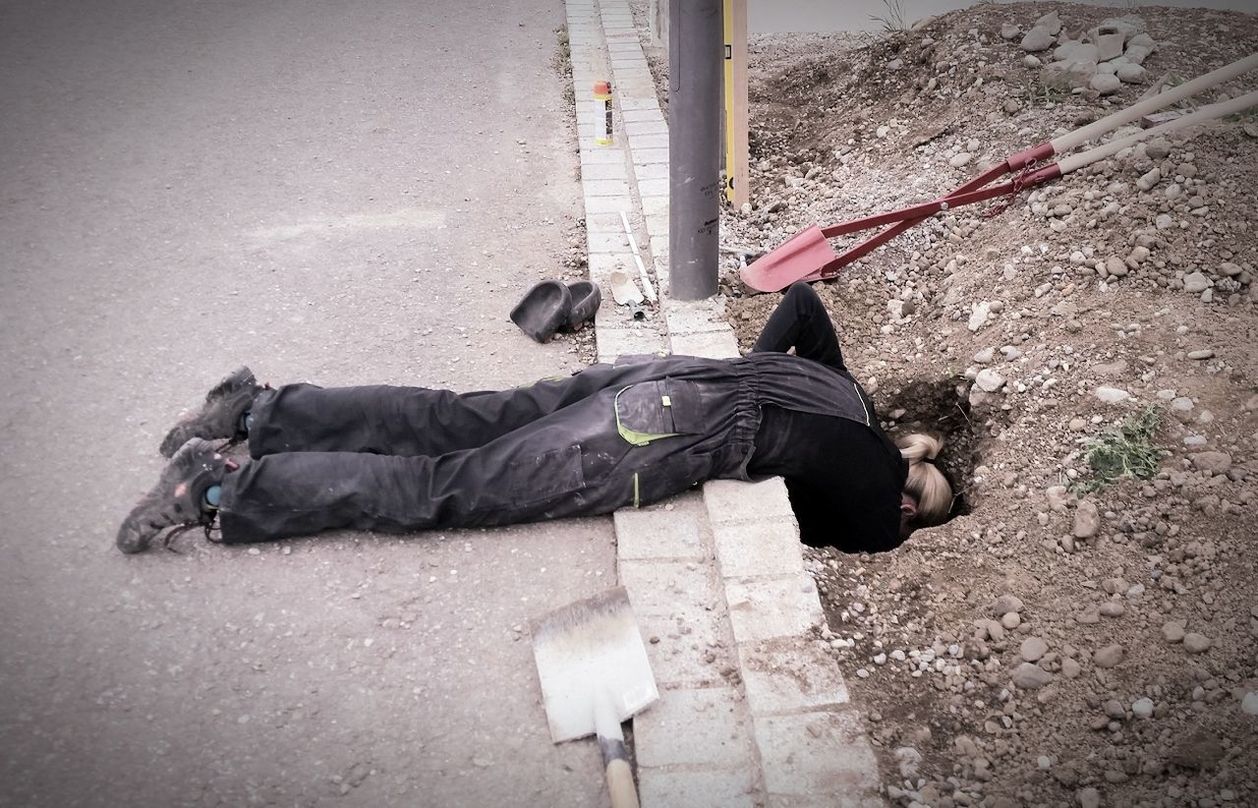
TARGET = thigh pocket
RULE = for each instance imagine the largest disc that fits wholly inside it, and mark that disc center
(540, 478)
(648, 411)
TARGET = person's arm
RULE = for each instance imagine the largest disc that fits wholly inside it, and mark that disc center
(823, 522)
(800, 321)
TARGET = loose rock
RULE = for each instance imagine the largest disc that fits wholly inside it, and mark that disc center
(1111, 395)
(1108, 656)
(1031, 677)
(1087, 520)
(1195, 643)
(1033, 648)
(1105, 83)
(1196, 282)
(1037, 39)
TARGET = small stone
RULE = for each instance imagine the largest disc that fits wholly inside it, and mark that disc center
(1031, 62)
(1142, 708)
(1005, 604)
(960, 159)
(978, 315)
(1089, 616)
(1131, 74)
(1196, 282)
(1108, 656)
(1149, 179)
(1087, 520)
(1195, 643)
(1009, 32)
(1249, 704)
(1033, 648)
(1037, 39)
(1109, 46)
(1058, 497)
(1011, 621)
(1111, 395)
(1065, 51)
(1112, 608)
(1213, 462)
(1164, 221)
(1070, 668)
(1230, 270)
(1085, 53)
(1200, 354)
(1136, 54)
(989, 380)
(1105, 83)
(1030, 677)
(1050, 22)
(1089, 798)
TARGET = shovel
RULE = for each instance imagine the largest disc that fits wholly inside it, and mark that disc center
(595, 674)
(808, 256)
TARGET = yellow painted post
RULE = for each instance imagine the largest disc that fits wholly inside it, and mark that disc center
(736, 160)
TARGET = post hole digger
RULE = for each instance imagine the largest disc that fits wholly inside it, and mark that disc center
(808, 256)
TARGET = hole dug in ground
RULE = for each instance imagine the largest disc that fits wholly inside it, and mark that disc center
(938, 407)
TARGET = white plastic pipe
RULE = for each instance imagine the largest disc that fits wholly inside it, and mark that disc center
(1165, 98)
(1232, 106)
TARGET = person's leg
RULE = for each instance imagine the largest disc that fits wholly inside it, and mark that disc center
(574, 462)
(379, 419)
(221, 414)
(801, 321)
(568, 464)
(186, 494)
(577, 461)
(406, 421)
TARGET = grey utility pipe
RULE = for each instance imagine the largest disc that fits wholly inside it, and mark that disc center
(695, 43)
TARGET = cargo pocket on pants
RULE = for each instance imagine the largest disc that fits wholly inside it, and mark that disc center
(649, 411)
(531, 480)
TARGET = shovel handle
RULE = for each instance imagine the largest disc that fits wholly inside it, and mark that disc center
(1165, 98)
(620, 785)
(624, 793)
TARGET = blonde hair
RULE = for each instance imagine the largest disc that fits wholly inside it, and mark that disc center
(925, 482)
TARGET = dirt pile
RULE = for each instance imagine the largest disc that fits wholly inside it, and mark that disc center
(1062, 641)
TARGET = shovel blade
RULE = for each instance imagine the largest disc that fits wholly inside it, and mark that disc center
(590, 658)
(804, 254)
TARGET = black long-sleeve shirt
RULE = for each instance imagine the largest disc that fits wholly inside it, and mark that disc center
(844, 478)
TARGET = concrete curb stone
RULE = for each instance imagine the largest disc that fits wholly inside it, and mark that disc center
(752, 710)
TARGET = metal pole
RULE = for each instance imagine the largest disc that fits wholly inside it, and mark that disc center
(694, 146)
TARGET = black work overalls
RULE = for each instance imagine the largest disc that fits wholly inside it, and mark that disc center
(399, 459)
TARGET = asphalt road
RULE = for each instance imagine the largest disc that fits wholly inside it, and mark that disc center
(328, 191)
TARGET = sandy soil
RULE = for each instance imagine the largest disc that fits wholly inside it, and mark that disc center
(1032, 651)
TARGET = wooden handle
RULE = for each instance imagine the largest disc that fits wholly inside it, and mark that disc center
(620, 784)
(1165, 98)
(1210, 112)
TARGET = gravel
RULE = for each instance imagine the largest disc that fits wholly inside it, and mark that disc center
(1045, 279)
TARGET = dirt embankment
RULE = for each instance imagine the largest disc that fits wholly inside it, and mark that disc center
(1060, 642)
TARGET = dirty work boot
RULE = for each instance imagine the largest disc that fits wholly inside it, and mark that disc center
(221, 416)
(179, 498)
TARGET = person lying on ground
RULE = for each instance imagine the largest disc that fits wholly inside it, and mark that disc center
(400, 459)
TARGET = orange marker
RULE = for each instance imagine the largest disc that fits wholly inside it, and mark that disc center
(603, 92)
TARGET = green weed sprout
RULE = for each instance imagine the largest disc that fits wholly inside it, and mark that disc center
(1127, 451)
